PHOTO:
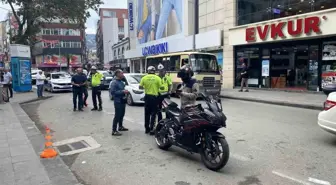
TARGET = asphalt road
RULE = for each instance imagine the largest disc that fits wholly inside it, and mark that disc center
(269, 145)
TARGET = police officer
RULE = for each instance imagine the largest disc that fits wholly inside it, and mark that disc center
(164, 90)
(151, 83)
(96, 89)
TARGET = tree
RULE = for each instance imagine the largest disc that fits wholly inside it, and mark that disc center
(32, 13)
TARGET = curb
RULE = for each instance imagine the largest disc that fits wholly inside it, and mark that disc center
(281, 103)
(58, 172)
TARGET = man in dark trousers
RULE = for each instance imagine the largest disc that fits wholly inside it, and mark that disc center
(78, 84)
(151, 83)
(96, 89)
(119, 94)
(244, 78)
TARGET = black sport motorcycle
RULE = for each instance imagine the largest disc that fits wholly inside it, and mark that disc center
(195, 129)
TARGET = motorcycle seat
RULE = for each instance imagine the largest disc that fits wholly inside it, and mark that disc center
(175, 112)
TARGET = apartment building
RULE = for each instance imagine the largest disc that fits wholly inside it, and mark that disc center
(111, 28)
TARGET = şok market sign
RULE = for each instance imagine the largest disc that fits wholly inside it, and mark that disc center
(155, 49)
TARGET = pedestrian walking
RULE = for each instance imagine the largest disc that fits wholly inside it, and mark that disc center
(151, 83)
(244, 78)
(96, 89)
(119, 93)
(164, 91)
(78, 84)
(7, 79)
(40, 78)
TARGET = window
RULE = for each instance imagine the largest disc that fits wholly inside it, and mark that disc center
(154, 62)
(107, 13)
(204, 63)
(262, 10)
(173, 63)
(121, 29)
(124, 16)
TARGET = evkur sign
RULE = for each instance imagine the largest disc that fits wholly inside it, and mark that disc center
(279, 30)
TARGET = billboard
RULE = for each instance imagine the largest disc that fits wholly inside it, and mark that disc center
(157, 19)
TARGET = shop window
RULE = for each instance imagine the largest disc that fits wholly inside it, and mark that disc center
(249, 56)
(328, 63)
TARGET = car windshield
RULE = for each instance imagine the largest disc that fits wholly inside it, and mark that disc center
(204, 63)
(134, 79)
(60, 75)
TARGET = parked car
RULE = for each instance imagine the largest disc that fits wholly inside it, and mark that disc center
(108, 76)
(34, 72)
(59, 81)
(327, 118)
(136, 95)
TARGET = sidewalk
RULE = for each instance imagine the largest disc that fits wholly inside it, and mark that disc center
(20, 145)
(292, 99)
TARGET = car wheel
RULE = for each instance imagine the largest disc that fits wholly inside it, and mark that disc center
(130, 100)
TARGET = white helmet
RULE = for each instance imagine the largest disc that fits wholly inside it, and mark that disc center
(160, 67)
(94, 67)
(151, 69)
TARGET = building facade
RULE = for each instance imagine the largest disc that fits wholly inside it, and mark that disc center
(61, 45)
(119, 61)
(156, 24)
(286, 44)
(111, 28)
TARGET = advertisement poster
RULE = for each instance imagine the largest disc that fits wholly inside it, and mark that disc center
(157, 19)
(265, 68)
(25, 75)
(329, 51)
(328, 75)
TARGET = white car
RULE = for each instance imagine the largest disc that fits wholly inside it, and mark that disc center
(136, 95)
(327, 118)
(57, 82)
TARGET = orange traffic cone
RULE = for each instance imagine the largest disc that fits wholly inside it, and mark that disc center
(48, 151)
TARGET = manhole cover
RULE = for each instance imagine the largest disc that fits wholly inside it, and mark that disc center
(76, 145)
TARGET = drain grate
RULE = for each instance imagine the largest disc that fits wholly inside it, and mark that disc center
(76, 145)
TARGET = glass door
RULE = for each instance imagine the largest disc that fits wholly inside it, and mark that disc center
(313, 68)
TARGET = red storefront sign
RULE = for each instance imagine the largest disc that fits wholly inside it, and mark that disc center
(280, 29)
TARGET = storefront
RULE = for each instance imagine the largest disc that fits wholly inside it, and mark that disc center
(296, 53)
(210, 39)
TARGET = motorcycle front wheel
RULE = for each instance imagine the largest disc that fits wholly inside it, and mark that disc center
(215, 156)
(161, 137)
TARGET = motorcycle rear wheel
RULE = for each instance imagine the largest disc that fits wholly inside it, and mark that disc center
(215, 166)
(161, 139)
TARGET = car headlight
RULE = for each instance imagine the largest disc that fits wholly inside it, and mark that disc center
(137, 91)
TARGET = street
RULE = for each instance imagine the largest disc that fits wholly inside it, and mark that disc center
(269, 145)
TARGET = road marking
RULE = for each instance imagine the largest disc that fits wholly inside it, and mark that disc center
(291, 178)
(317, 181)
(240, 157)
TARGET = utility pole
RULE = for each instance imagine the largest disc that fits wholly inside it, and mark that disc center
(195, 30)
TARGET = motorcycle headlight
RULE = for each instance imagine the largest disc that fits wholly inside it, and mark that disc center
(137, 91)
